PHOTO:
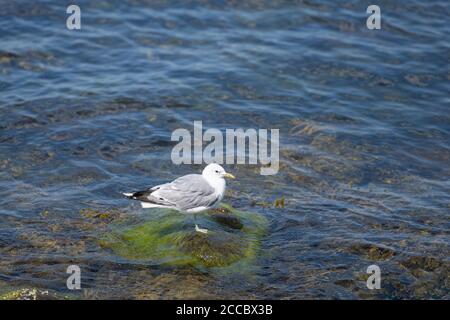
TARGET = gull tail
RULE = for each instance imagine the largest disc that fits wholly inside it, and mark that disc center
(142, 196)
(137, 195)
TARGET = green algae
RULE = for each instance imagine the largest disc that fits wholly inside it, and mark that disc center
(22, 294)
(10, 293)
(169, 238)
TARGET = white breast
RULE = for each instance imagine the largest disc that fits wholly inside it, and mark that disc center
(219, 186)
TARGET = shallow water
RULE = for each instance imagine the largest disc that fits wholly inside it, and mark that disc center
(364, 141)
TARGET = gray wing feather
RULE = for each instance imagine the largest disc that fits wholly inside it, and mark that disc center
(186, 192)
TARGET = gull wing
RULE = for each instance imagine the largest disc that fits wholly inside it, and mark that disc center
(187, 192)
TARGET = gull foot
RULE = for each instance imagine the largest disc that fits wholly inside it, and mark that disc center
(200, 230)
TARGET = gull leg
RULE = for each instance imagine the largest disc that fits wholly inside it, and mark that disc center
(200, 229)
(196, 226)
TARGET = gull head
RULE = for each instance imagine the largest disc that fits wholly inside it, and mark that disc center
(215, 171)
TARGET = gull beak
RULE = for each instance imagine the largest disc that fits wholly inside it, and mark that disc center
(228, 175)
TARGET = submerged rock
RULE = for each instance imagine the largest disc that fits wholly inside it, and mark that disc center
(30, 294)
(223, 216)
(372, 251)
(169, 238)
(103, 215)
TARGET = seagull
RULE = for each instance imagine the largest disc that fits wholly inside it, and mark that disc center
(192, 193)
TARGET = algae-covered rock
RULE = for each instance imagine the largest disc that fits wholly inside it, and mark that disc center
(23, 294)
(169, 237)
(29, 294)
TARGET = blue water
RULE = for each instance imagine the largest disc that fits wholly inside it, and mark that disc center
(364, 139)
